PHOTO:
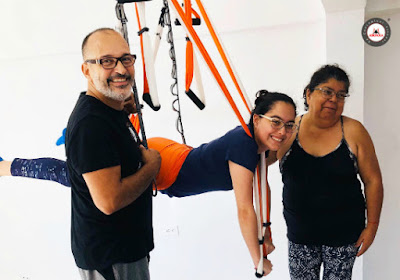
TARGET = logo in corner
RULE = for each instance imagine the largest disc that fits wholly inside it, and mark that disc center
(375, 32)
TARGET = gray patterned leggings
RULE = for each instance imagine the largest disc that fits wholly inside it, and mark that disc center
(305, 261)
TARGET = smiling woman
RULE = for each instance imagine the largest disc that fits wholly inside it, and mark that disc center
(324, 207)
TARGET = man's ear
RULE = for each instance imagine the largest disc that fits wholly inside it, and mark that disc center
(86, 71)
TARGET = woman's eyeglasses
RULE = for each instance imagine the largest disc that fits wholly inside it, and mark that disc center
(328, 93)
(277, 124)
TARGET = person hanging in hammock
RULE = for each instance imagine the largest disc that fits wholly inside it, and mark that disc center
(225, 163)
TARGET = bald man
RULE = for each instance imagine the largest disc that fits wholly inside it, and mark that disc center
(110, 172)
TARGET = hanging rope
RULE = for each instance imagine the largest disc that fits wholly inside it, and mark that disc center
(174, 87)
(122, 21)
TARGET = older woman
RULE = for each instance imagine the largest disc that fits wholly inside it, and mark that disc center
(324, 206)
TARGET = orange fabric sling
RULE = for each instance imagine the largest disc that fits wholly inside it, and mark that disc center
(145, 83)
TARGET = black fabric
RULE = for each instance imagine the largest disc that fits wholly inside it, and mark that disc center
(322, 197)
(107, 273)
(97, 137)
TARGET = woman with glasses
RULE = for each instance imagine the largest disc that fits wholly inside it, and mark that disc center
(223, 164)
(324, 206)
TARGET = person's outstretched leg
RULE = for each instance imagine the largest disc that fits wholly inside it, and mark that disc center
(5, 167)
(41, 168)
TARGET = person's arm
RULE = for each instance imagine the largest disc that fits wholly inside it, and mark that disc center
(371, 177)
(110, 193)
(242, 180)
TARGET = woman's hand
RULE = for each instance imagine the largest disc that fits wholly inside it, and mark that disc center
(267, 267)
(366, 238)
(269, 246)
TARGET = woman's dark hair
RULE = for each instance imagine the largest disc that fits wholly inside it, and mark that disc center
(265, 100)
(322, 75)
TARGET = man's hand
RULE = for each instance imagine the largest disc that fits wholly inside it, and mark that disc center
(152, 157)
(129, 105)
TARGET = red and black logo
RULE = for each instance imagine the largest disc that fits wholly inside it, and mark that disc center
(375, 32)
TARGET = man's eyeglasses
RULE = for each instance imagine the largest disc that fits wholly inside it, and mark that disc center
(328, 94)
(277, 124)
(111, 62)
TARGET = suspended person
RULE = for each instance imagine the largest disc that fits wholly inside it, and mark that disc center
(225, 163)
(324, 206)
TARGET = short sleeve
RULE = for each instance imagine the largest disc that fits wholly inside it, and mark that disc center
(92, 147)
(242, 150)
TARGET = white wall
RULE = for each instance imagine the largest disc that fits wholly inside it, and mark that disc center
(343, 46)
(380, 115)
(195, 237)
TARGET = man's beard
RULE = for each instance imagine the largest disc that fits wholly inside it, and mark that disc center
(106, 90)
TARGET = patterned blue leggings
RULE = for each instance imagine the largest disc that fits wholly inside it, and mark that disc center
(41, 168)
(305, 261)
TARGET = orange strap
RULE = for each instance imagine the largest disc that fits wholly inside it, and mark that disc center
(189, 48)
(221, 51)
(189, 65)
(210, 64)
(134, 119)
(196, 14)
(145, 83)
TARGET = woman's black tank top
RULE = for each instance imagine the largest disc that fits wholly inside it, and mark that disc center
(322, 197)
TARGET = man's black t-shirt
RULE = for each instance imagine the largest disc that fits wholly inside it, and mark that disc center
(98, 137)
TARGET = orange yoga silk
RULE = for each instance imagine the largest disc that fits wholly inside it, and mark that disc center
(173, 155)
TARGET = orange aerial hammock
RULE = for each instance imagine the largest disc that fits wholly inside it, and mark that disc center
(192, 67)
(150, 94)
